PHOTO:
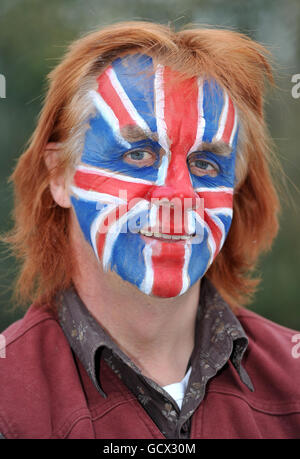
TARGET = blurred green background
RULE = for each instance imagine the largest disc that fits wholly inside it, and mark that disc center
(33, 37)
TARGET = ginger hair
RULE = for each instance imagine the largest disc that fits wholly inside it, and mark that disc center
(40, 237)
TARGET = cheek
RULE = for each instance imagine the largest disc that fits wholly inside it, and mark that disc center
(217, 200)
(217, 209)
(85, 214)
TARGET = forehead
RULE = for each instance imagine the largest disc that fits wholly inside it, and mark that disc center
(135, 94)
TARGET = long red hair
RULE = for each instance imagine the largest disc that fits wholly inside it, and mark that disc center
(40, 237)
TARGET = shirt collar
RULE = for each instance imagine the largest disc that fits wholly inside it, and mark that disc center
(219, 335)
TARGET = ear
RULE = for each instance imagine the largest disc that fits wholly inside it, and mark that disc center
(57, 182)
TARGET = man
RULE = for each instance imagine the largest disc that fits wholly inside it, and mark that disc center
(142, 203)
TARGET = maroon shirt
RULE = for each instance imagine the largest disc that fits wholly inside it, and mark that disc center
(46, 391)
(219, 337)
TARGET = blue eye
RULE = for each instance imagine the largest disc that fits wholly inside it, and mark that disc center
(138, 155)
(140, 158)
(201, 167)
(202, 164)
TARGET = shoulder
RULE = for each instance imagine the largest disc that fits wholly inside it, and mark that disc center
(33, 318)
(38, 366)
(273, 339)
(272, 410)
(272, 360)
(30, 335)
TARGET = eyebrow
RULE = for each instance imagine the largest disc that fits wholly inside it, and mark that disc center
(219, 148)
(134, 133)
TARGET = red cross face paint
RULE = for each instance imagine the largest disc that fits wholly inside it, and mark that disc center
(153, 191)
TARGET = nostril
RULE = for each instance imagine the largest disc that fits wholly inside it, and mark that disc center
(162, 193)
(168, 197)
(165, 194)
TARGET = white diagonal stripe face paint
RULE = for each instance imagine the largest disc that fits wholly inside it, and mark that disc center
(147, 283)
(97, 224)
(219, 223)
(223, 118)
(153, 215)
(112, 202)
(201, 119)
(227, 211)
(162, 171)
(109, 117)
(127, 102)
(115, 229)
(95, 196)
(198, 219)
(161, 125)
(106, 173)
(224, 189)
(185, 276)
(234, 127)
(160, 108)
(210, 241)
(191, 222)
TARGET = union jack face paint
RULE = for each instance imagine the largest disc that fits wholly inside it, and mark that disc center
(153, 190)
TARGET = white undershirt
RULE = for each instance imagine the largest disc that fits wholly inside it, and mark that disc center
(177, 390)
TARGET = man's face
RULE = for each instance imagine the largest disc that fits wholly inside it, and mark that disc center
(153, 190)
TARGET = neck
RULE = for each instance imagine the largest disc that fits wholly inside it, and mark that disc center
(156, 333)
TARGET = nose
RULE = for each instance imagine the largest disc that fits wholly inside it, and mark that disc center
(171, 204)
(177, 190)
(173, 196)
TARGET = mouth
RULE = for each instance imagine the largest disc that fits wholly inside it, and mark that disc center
(167, 237)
